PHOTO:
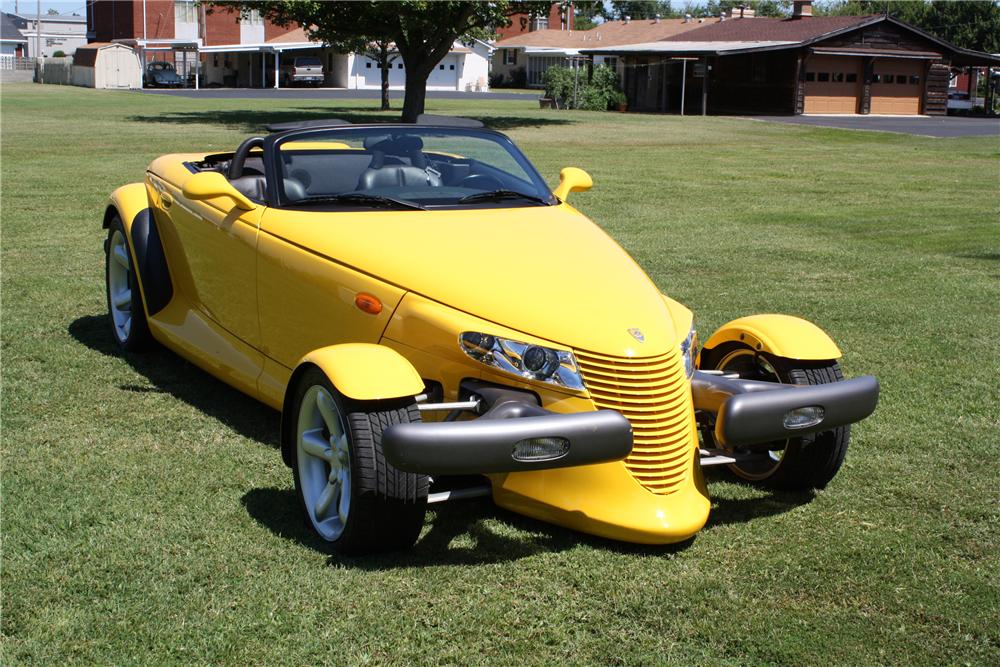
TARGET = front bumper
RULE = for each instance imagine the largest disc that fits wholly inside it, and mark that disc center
(749, 412)
(489, 444)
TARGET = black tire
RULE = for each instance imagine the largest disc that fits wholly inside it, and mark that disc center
(797, 464)
(135, 336)
(386, 505)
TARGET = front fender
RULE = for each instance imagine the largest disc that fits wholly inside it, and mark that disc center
(128, 201)
(779, 335)
(360, 371)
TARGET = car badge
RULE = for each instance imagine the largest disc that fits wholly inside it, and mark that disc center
(637, 334)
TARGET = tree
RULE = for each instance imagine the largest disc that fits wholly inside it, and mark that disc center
(639, 9)
(775, 8)
(971, 24)
(423, 31)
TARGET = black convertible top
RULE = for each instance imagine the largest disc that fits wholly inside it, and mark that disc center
(422, 119)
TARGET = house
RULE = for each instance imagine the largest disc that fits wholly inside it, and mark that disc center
(12, 42)
(52, 32)
(528, 55)
(560, 17)
(228, 49)
(803, 64)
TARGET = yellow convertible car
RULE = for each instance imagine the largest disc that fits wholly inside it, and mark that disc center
(433, 322)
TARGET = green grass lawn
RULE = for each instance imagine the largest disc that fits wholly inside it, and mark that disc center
(147, 517)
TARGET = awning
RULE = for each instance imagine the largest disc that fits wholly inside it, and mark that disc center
(876, 53)
(700, 48)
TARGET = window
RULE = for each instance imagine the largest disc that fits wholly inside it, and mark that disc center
(540, 23)
(440, 66)
(399, 66)
(887, 78)
(368, 64)
(185, 11)
(451, 67)
(876, 78)
(810, 76)
(823, 76)
(838, 77)
(914, 79)
(510, 56)
(901, 78)
(852, 77)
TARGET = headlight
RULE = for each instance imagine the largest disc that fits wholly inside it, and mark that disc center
(689, 349)
(533, 362)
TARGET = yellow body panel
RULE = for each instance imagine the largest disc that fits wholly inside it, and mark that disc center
(366, 372)
(780, 335)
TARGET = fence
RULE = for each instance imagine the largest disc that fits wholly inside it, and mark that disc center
(58, 71)
(10, 63)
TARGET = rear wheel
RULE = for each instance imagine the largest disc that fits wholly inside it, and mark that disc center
(125, 310)
(804, 463)
(349, 494)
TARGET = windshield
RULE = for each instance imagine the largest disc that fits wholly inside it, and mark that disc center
(407, 167)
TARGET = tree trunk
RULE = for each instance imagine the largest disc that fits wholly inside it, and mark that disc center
(384, 64)
(416, 93)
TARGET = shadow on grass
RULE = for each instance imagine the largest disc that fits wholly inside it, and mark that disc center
(726, 511)
(250, 121)
(995, 256)
(167, 373)
(462, 520)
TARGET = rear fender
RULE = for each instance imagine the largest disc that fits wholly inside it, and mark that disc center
(131, 204)
(359, 371)
(778, 335)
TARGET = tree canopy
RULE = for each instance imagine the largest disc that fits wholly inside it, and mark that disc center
(422, 31)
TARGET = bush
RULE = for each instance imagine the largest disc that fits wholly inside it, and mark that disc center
(58, 54)
(600, 93)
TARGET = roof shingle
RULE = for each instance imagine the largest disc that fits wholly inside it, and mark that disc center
(609, 33)
(771, 29)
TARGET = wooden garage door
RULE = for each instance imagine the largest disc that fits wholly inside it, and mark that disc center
(833, 84)
(897, 87)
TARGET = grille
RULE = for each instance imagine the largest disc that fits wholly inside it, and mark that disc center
(653, 394)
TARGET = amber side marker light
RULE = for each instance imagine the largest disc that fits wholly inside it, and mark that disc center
(368, 303)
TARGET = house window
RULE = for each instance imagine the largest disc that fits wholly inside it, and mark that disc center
(901, 78)
(876, 78)
(852, 78)
(185, 11)
(887, 78)
(399, 66)
(252, 17)
(510, 56)
(440, 66)
(810, 76)
(823, 77)
(838, 77)
(914, 79)
(540, 23)
(611, 62)
(368, 64)
(451, 67)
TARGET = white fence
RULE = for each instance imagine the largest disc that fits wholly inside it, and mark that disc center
(10, 63)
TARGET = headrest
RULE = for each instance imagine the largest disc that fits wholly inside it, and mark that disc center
(403, 144)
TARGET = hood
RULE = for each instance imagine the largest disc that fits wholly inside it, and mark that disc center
(547, 271)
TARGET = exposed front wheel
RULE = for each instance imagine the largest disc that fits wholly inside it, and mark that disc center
(349, 494)
(125, 310)
(804, 463)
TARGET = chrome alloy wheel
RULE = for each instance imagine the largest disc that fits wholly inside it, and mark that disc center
(751, 366)
(120, 286)
(324, 461)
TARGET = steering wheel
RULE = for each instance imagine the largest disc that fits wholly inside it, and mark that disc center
(482, 182)
(240, 156)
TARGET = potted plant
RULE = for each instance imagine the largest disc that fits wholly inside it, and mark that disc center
(619, 101)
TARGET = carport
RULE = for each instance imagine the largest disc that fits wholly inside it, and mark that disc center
(269, 60)
(157, 47)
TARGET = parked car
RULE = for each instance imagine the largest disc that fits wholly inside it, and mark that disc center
(160, 74)
(421, 308)
(303, 70)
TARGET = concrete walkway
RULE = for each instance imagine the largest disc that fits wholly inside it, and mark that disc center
(926, 126)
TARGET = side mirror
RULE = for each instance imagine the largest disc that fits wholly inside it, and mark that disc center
(572, 179)
(212, 184)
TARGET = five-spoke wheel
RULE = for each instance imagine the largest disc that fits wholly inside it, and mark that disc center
(125, 310)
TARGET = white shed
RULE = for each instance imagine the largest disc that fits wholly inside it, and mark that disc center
(106, 65)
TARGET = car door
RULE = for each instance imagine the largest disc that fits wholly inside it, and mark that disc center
(219, 242)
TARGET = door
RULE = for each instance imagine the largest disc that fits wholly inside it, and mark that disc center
(897, 87)
(219, 246)
(444, 76)
(832, 85)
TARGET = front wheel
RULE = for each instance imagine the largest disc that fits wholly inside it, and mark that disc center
(125, 310)
(350, 495)
(804, 463)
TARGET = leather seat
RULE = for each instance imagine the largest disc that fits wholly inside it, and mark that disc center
(387, 170)
(397, 175)
(253, 187)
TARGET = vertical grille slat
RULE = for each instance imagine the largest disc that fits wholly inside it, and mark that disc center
(653, 394)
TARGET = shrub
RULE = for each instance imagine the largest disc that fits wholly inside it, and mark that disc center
(600, 93)
(58, 54)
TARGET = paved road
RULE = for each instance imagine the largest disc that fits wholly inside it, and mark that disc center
(927, 126)
(329, 94)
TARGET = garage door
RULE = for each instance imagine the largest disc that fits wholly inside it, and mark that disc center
(897, 87)
(833, 85)
(445, 74)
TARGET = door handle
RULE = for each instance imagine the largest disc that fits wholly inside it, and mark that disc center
(166, 199)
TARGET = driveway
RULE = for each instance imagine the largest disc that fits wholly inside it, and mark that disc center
(926, 126)
(329, 94)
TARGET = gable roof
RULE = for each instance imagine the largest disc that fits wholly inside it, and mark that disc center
(609, 33)
(9, 31)
(764, 29)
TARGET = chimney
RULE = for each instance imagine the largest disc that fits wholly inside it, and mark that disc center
(656, 19)
(802, 9)
(687, 18)
(627, 19)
